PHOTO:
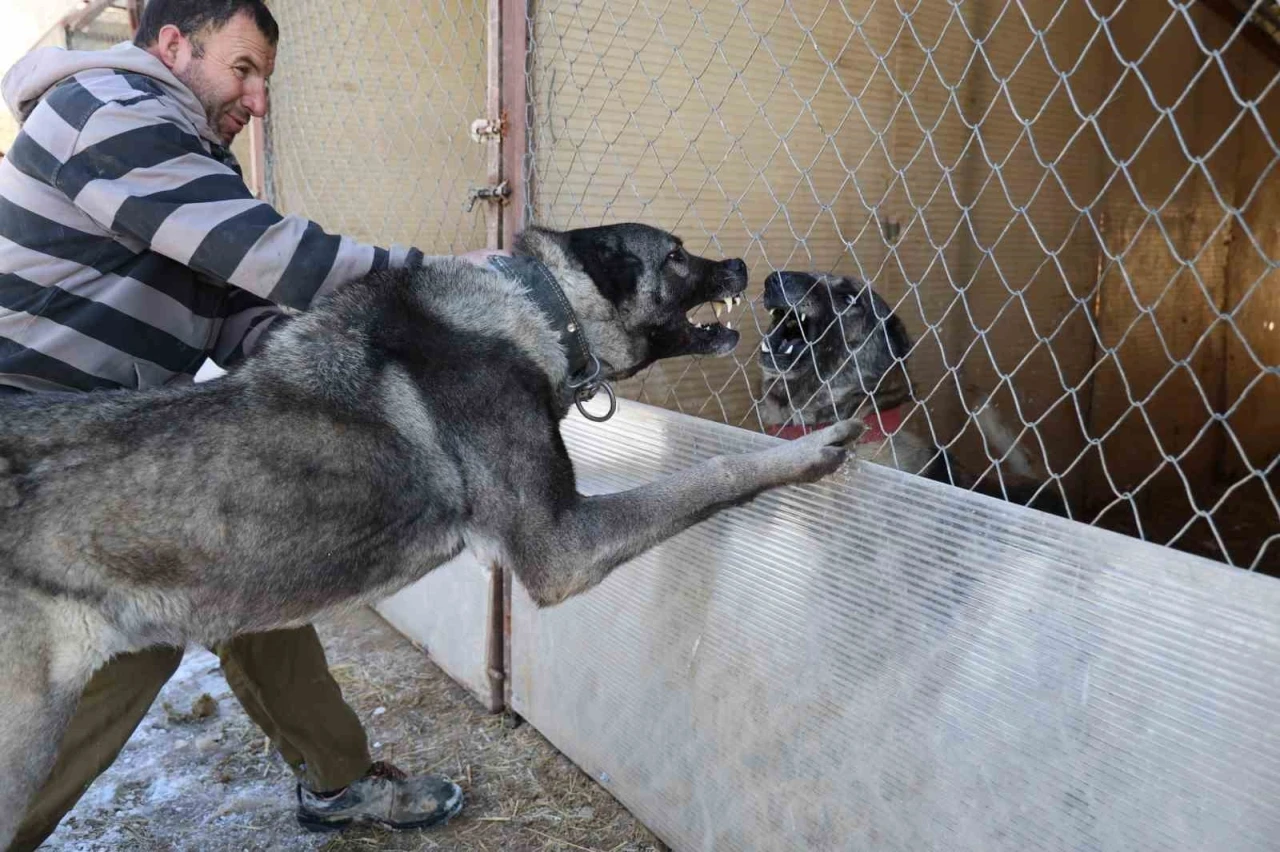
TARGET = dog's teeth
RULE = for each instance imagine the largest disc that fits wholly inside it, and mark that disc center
(715, 306)
(729, 326)
(728, 304)
(790, 349)
(737, 300)
(804, 317)
(764, 346)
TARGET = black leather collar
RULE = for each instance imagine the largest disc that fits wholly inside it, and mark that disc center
(584, 368)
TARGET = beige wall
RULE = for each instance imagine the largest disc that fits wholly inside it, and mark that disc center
(1188, 292)
(371, 106)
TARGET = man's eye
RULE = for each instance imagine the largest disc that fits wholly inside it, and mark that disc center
(242, 71)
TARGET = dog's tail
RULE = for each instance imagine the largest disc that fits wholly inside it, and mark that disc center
(1003, 444)
(1027, 480)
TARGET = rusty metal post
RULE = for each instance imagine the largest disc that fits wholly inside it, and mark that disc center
(514, 29)
(134, 8)
(493, 212)
(258, 158)
(509, 84)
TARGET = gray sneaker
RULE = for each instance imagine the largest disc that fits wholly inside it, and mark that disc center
(385, 797)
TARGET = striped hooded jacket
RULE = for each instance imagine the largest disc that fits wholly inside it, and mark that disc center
(130, 247)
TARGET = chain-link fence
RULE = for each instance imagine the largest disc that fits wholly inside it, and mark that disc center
(371, 107)
(1065, 202)
(1068, 204)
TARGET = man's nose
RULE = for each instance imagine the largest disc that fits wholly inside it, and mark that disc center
(256, 102)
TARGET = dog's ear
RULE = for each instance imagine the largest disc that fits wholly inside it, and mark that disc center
(899, 340)
(615, 271)
(895, 332)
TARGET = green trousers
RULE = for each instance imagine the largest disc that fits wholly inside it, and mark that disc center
(282, 680)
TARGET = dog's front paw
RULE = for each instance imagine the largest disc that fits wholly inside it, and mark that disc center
(820, 453)
(812, 457)
(802, 461)
(823, 462)
(845, 433)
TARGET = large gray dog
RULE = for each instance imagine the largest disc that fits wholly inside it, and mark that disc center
(407, 416)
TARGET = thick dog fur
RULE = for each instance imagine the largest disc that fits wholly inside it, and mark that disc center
(407, 416)
(835, 350)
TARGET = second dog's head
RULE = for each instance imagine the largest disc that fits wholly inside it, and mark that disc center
(633, 286)
(832, 339)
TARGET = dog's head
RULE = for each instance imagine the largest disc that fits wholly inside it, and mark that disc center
(633, 287)
(834, 333)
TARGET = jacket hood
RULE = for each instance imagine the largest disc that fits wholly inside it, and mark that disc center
(33, 76)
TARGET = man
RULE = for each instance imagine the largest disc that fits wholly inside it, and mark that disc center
(131, 250)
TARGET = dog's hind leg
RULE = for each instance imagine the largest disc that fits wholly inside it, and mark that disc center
(570, 548)
(40, 691)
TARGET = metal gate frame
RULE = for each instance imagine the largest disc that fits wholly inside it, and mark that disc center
(460, 613)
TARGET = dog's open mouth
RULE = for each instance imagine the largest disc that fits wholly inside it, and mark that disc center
(714, 338)
(788, 338)
(801, 312)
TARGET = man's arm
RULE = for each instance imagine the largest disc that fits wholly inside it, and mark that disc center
(247, 320)
(137, 173)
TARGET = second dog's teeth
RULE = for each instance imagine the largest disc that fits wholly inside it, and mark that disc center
(764, 346)
(804, 317)
(790, 349)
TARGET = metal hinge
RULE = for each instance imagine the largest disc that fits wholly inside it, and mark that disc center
(498, 193)
(890, 229)
(485, 129)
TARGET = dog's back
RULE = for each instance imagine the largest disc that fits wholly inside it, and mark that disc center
(325, 425)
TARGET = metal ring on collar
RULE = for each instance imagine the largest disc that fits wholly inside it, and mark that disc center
(613, 403)
(591, 380)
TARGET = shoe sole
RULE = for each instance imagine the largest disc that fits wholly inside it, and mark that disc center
(316, 825)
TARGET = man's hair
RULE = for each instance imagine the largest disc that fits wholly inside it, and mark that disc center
(192, 17)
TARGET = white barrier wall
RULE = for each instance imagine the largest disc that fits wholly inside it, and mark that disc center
(880, 662)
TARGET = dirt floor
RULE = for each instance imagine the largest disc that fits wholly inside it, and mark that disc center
(206, 780)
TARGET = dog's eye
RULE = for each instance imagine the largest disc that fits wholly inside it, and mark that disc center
(676, 256)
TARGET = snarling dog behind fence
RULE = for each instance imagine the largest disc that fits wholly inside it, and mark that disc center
(834, 350)
(407, 416)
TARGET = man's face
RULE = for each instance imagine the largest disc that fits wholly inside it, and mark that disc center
(227, 69)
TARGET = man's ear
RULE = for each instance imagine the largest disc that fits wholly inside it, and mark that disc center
(172, 48)
(616, 272)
